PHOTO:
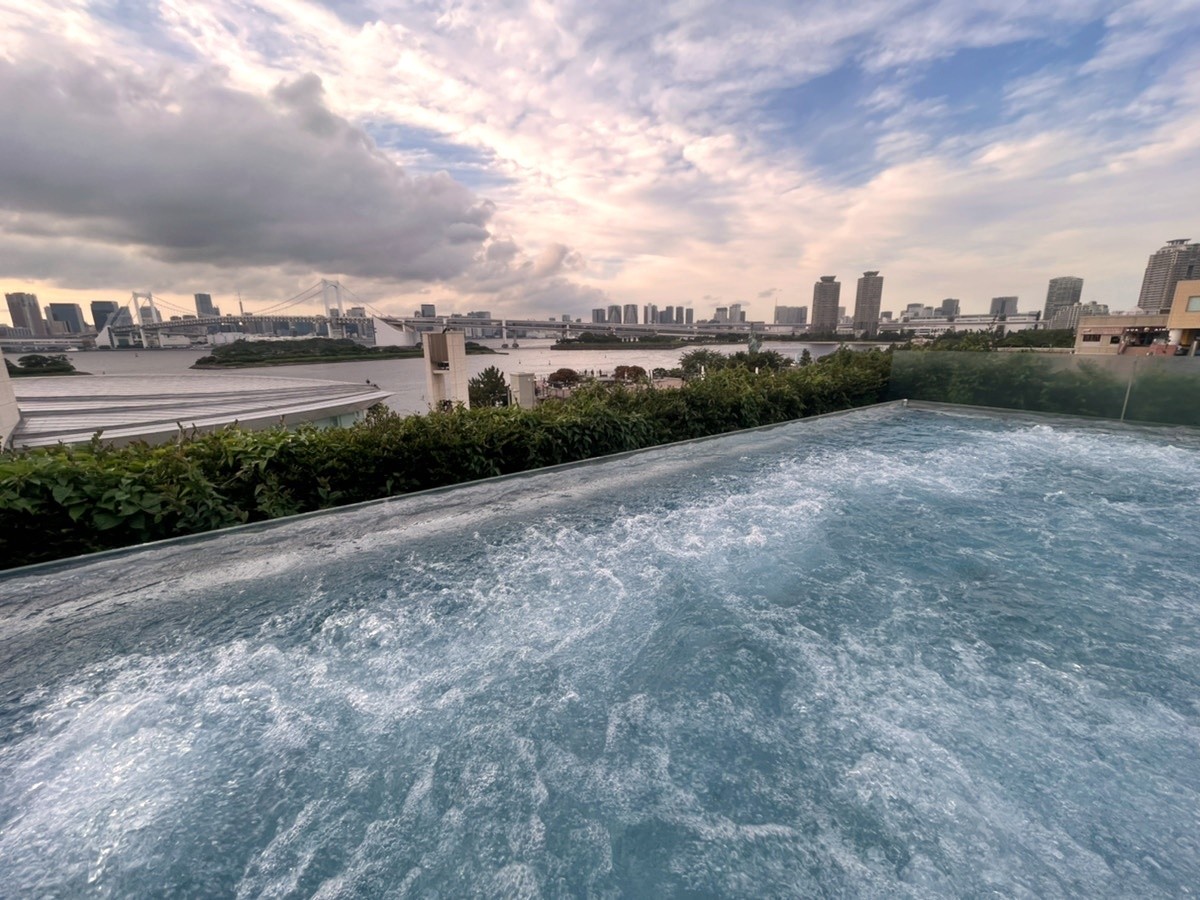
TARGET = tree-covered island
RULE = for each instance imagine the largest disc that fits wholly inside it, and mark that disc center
(250, 354)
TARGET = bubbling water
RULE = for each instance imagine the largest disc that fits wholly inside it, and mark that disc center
(893, 653)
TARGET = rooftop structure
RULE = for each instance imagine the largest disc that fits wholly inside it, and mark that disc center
(127, 408)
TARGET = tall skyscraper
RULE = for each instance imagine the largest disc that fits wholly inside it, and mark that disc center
(69, 315)
(950, 308)
(688, 316)
(735, 313)
(204, 306)
(1003, 306)
(1177, 261)
(866, 304)
(24, 311)
(679, 315)
(630, 314)
(1063, 292)
(614, 314)
(826, 294)
(102, 311)
(598, 316)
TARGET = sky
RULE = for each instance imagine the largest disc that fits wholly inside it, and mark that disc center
(542, 158)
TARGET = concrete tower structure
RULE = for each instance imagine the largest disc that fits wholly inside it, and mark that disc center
(1177, 261)
(1063, 292)
(826, 294)
(446, 369)
(866, 304)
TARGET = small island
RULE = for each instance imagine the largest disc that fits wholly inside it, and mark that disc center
(310, 351)
(37, 364)
(591, 341)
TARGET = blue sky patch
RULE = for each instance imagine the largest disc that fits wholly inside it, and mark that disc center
(425, 151)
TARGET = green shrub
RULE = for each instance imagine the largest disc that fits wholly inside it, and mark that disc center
(63, 501)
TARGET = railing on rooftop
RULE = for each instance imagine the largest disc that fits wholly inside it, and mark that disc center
(1160, 390)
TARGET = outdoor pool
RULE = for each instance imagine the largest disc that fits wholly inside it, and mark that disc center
(898, 652)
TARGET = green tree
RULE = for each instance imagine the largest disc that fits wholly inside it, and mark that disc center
(488, 388)
(629, 373)
(695, 360)
(564, 378)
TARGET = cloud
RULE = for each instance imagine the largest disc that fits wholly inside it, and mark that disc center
(188, 170)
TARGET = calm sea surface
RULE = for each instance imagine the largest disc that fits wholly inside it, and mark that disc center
(406, 377)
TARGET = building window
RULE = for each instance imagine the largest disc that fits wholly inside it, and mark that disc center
(1115, 339)
(1193, 304)
(1091, 338)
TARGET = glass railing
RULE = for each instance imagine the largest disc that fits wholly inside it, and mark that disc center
(1157, 389)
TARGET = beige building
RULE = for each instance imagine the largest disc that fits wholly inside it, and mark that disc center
(1183, 322)
(1136, 335)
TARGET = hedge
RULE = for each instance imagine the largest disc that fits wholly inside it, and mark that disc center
(63, 501)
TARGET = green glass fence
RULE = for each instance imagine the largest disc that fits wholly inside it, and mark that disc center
(1158, 389)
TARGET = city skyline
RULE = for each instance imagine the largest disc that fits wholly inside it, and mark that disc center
(535, 160)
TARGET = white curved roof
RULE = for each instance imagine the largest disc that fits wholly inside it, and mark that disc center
(128, 408)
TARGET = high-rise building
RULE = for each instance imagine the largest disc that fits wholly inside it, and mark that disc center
(1003, 306)
(1177, 261)
(1063, 292)
(866, 304)
(428, 311)
(668, 316)
(721, 314)
(150, 314)
(826, 293)
(688, 316)
(24, 312)
(791, 315)
(650, 313)
(735, 313)
(614, 314)
(950, 307)
(69, 315)
(679, 315)
(204, 306)
(630, 314)
(102, 311)
(598, 316)
(1069, 316)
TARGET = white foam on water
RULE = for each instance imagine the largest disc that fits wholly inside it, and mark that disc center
(919, 656)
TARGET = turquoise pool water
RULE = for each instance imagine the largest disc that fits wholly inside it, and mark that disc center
(893, 653)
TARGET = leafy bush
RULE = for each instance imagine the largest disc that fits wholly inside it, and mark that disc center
(63, 501)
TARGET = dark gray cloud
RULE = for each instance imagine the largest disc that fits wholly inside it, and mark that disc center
(183, 169)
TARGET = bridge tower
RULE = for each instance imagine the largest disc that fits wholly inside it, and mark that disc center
(331, 294)
(155, 316)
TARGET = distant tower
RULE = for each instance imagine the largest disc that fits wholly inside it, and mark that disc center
(866, 304)
(630, 314)
(950, 308)
(24, 311)
(1003, 306)
(204, 306)
(102, 311)
(1177, 261)
(1063, 292)
(826, 293)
